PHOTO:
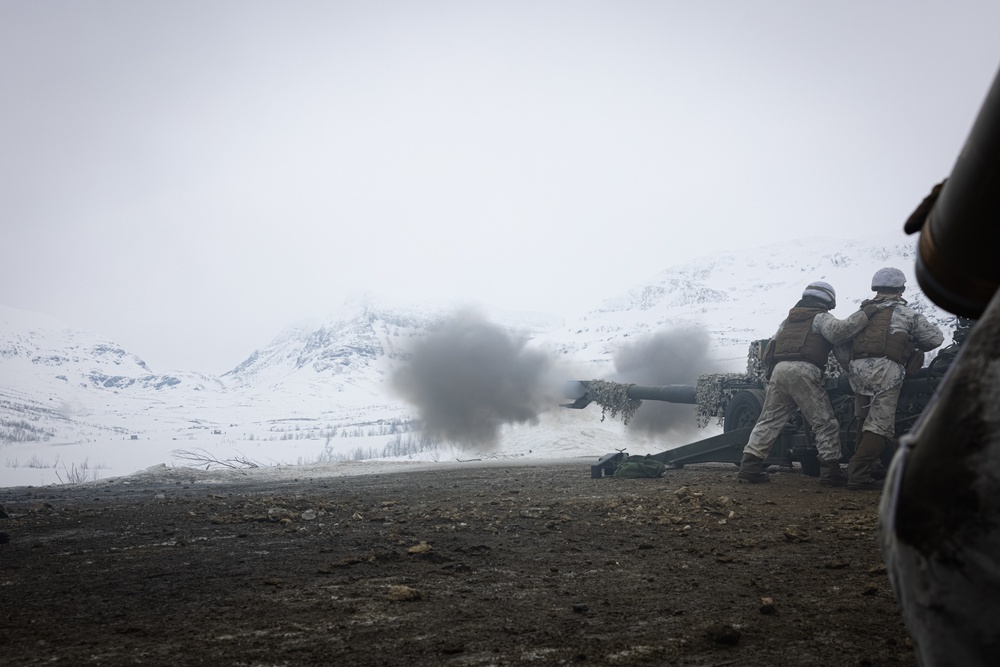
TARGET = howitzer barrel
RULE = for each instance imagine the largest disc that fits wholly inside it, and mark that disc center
(957, 265)
(671, 393)
(584, 391)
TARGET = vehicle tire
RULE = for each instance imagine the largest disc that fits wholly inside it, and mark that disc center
(743, 409)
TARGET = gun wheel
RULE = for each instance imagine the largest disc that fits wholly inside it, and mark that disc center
(743, 409)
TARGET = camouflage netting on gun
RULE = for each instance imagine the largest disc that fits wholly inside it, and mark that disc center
(613, 399)
(755, 360)
(833, 369)
(712, 396)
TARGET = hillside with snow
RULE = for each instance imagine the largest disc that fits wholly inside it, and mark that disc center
(741, 297)
(76, 405)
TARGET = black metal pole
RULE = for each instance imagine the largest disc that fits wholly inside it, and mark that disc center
(958, 263)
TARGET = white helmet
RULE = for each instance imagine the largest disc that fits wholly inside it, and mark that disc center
(822, 291)
(888, 279)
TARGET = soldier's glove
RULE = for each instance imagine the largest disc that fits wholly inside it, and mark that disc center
(869, 310)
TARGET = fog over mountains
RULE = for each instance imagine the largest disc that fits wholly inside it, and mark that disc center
(372, 379)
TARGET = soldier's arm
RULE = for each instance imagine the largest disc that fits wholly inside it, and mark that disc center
(840, 331)
(926, 336)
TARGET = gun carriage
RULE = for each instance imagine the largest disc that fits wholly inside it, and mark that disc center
(735, 400)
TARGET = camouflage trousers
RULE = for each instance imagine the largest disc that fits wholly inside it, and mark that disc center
(878, 412)
(796, 385)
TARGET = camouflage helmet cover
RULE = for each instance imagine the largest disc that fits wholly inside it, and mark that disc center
(889, 279)
(822, 291)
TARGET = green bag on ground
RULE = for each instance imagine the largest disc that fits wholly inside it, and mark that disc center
(639, 466)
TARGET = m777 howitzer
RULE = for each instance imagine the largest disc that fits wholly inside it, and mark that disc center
(735, 401)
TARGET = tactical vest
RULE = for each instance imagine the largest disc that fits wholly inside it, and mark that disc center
(797, 342)
(876, 341)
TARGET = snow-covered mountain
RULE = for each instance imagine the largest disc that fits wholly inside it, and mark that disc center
(741, 297)
(62, 385)
(352, 349)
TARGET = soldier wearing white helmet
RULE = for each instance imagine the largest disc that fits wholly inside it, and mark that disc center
(893, 335)
(796, 357)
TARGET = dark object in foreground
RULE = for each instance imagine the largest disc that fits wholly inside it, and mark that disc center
(940, 518)
(940, 532)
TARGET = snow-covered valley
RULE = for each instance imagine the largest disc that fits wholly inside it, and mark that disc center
(75, 406)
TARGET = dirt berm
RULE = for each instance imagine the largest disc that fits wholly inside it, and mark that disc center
(466, 565)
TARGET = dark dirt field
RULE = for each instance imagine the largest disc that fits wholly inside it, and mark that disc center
(488, 565)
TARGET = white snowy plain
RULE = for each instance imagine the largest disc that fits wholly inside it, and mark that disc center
(569, 434)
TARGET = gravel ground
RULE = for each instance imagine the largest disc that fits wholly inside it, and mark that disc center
(460, 565)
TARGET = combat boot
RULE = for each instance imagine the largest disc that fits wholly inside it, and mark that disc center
(830, 474)
(752, 470)
(862, 464)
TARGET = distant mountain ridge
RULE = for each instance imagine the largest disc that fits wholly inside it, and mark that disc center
(355, 347)
(742, 296)
(343, 362)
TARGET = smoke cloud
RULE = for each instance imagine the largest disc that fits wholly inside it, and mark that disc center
(674, 356)
(468, 377)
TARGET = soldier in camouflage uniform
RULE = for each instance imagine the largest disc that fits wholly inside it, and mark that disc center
(893, 334)
(796, 357)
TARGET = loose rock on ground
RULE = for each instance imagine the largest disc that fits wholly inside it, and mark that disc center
(526, 564)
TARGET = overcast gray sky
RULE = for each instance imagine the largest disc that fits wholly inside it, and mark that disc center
(188, 177)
